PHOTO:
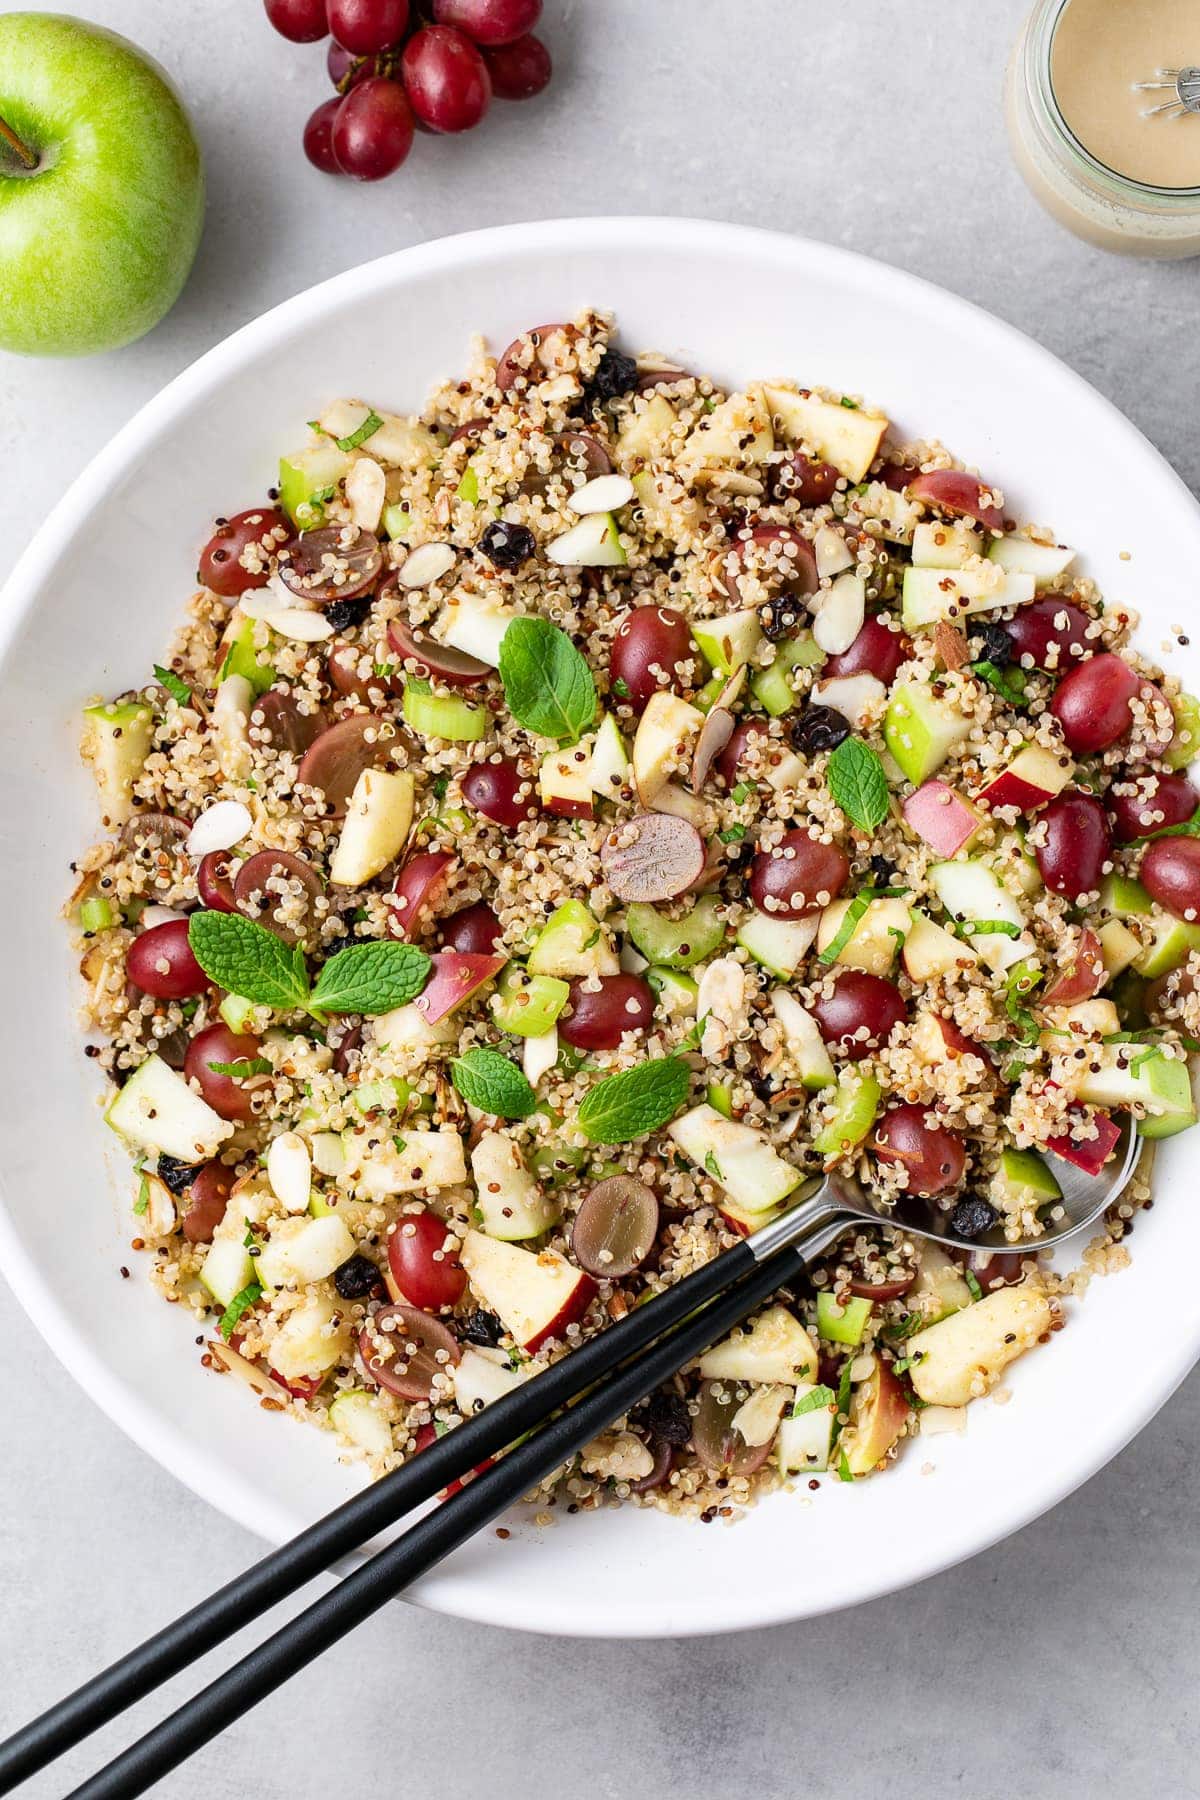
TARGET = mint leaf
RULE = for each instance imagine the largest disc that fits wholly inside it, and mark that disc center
(247, 959)
(987, 928)
(1189, 828)
(371, 978)
(547, 683)
(855, 778)
(241, 1303)
(361, 433)
(491, 1082)
(815, 1398)
(626, 1106)
(243, 1068)
(178, 690)
(1008, 683)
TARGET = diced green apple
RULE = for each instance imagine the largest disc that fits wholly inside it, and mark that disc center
(157, 1110)
(358, 1415)
(565, 783)
(931, 951)
(228, 1267)
(646, 431)
(308, 479)
(730, 641)
(1166, 943)
(1132, 1075)
(1024, 556)
(478, 1381)
(932, 595)
(1184, 747)
(377, 824)
(844, 436)
(1118, 947)
(414, 1162)
(805, 1044)
(803, 1441)
(856, 1105)
(1124, 898)
(475, 624)
(1029, 779)
(663, 742)
(610, 760)
(508, 1202)
(940, 1287)
(301, 1250)
(595, 543)
(874, 940)
(528, 1005)
(778, 945)
(1022, 1181)
(676, 943)
(937, 544)
(972, 895)
(776, 1347)
(572, 942)
(535, 1294)
(737, 431)
(239, 655)
(842, 1324)
(311, 1340)
(963, 1356)
(116, 741)
(920, 731)
(738, 1157)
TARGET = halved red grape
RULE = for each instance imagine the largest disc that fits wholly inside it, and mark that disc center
(1074, 843)
(597, 1018)
(533, 355)
(1091, 703)
(499, 791)
(161, 963)
(1170, 873)
(781, 558)
(745, 734)
(474, 931)
(877, 650)
(207, 1196)
(716, 1441)
(300, 21)
(318, 137)
(651, 647)
(519, 70)
(932, 1156)
(264, 883)
(228, 1095)
(654, 856)
(615, 1227)
(335, 760)
(454, 667)
(278, 719)
(214, 882)
(953, 491)
(425, 1269)
(405, 1351)
(1142, 803)
(237, 555)
(446, 79)
(1053, 633)
(860, 1013)
(881, 1291)
(800, 875)
(489, 21)
(416, 889)
(803, 478)
(353, 674)
(365, 26)
(336, 562)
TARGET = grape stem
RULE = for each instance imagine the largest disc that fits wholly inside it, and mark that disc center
(28, 159)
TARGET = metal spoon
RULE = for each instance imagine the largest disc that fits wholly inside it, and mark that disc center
(832, 1204)
(1184, 84)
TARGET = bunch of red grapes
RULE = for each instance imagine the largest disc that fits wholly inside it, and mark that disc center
(398, 71)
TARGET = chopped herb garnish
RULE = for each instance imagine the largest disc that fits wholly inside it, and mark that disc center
(973, 1284)
(142, 1203)
(850, 405)
(713, 1166)
(241, 1303)
(815, 1398)
(732, 834)
(370, 425)
(1008, 683)
(741, 792)
(857, 782)
(243, 1068)
(620, 688)
(178, 690)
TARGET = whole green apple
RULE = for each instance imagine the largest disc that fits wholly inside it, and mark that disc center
(101, 188)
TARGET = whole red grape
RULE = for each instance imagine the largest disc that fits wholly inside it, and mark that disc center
(301, 21)
(446, 79)
(318, 137)
(373, 129)
(519, 70)
(489, 22)
(365, 26)
(346, 70)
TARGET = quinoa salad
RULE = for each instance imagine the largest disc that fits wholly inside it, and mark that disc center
(568, 820)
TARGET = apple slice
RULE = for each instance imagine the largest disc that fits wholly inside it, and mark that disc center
(930, 595)
(376, 827)
(971, 894)
(565, 783)
(1030, 778)
(963, 1356)
(1087, 1153)
(662, 743)
(873, 940)
(478, 1381)
(738, 431)
(508, 1202)
(646, 431)
(931, 951)
(920, 730)
(116, 742)
(805, 1044)
(416, 888)
(857, 697)
(405, 1029)
(944, 546)
(738, 1158)
(595, 543)
(475, 624)
(610, 760)
(1023, 556)
(846, 436)
(728, 643)
(414, 1162)
(573, 942)
(775, 1348)
(535, 1294)
(455, 976)
(879, 1412)
(942, 817)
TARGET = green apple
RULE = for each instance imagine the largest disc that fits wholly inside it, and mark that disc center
(920, 731)
(101, 188)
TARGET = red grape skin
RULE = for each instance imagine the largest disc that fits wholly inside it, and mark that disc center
(446, 79)
(221, 567)
(1051, 632)
(858, 1000)
(1074, 844)
(300, 21)
(803, 478)
(493, 789)
(365, 26)
(207, 1197)
(1091, 703)
(427, 1274)
(800, 875)
(214, 882)
(318, 137)
(373, 130)
(519, 70)
(168, 945)
(1141, 803)
(648, 638)
(489, 21)
(597, 1020)
(226, 1094)
(1170, 873)
(745, 734)
(932, 1156)
(877, 650)
(475, 931)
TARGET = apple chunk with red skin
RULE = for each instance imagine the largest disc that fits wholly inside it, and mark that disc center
(942, 817)
(535, 1294)
(1089, 1154)
(415, 889)
(1033, 777)
(878, 1414)
(455, 976)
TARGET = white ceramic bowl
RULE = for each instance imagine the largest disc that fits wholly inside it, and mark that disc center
(92, 605)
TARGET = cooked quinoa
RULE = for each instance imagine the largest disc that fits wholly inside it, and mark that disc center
(811, 790)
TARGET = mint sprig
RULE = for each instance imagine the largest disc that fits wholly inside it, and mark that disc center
(816, 1397)
(247, 959)
(855, 778)
(547, 683)
(489, 1081)
(626, 1106)
(177, 688)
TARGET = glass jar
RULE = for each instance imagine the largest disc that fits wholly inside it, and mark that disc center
(1083, 193)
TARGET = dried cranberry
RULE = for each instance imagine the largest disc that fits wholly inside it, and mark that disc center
(973, 1216)
(616, 374)
(344, 615)
(819, 728)
(481, 1327)
(781, 616)
(174, 1174)
(993, 644)
(506, 545)
(665, 1417)
(356, 1278)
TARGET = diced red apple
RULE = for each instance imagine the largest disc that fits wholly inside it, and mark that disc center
(1091, 1153)
(416, 888)
(535, 1294)
(565, 783)
(1033, 777)
(879, 1412)
(942, 817)
(455, 976)
(954, 491)
(1084, 976)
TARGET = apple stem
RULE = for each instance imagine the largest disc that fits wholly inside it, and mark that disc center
(23, 151)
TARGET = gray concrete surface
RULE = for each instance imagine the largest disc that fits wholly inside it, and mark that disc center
(1065, 1661)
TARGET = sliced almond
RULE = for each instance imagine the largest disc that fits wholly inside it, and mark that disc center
(425, 565)
(717, 729)
(301, 626)
(606, 493)
(219, 828)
